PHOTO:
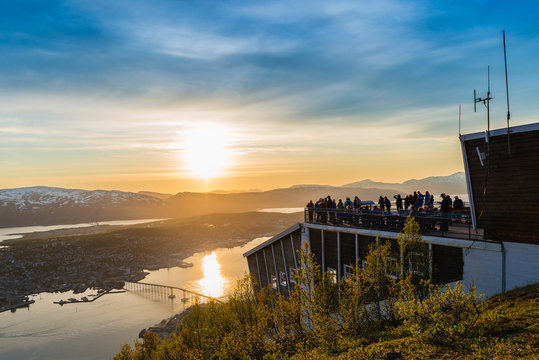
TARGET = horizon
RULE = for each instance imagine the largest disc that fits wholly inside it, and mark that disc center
(182, 97)
(231, 190)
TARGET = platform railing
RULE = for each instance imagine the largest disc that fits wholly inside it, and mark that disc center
(457, 224)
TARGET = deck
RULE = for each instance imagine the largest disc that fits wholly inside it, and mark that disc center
(455, 225)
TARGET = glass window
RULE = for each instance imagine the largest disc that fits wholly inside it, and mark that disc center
(332, 275)
(282, 276)
(274, 282)
(415, 263)
(348, 270)
(292, 272)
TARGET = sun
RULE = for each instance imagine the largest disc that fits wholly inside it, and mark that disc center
(206, 150)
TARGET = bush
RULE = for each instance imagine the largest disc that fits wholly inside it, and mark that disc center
(443, 317)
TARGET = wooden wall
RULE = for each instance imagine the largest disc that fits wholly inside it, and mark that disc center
(274, 259)
(506, 188)
(279, 256)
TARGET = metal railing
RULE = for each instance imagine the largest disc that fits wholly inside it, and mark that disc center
(168, 291)
(455, 225)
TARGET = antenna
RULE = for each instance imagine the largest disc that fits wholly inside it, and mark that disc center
(507, 93)
(485, 101)
(459, 117)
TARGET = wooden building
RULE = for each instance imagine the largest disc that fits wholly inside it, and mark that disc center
(504, 201)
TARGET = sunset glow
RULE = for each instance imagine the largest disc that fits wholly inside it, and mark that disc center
(213, 282)
(206, 151)
(196, 97)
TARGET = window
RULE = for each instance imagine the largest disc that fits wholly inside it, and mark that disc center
(348, 270)
(364, 264)
(282, 276)
(292, 272)
(391, 267)
(332, 275)
(415, 263)
(274, 282)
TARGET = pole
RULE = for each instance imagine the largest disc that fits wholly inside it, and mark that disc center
(459, 118)
(507, 94)
(488, 102)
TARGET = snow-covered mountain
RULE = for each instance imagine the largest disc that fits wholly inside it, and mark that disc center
(41, 205)
(455, 184)
(37, 196)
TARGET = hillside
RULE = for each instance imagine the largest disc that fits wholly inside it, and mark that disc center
(453, 184)
(43, 205)
(504, 327)
(200, 203)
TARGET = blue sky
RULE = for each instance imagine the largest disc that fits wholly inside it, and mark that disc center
(103, 94)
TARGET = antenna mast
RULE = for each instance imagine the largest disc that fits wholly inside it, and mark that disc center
(507, 93)
(485, 101)
(459, 118)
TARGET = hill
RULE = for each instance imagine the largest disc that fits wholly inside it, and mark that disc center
(43, 205)
(502, 327)
(453, 184)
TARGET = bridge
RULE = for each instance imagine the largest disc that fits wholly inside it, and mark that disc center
(169, 292)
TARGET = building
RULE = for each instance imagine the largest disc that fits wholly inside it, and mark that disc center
(494, 246)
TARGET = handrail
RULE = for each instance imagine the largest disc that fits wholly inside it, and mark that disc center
(454, 225)
(173, 287)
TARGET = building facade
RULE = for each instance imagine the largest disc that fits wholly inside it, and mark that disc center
(495, 248)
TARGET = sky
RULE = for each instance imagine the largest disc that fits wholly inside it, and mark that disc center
(172, 96)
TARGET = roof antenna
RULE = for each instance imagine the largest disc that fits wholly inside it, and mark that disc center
(486, 102)
(507, 93)
(459, 118)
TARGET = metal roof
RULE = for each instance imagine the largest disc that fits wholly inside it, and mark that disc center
(502, 131)
(273, 239)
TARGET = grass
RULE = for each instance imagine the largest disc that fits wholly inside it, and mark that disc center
(508, 328)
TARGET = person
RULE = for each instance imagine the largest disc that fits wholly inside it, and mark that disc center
(310, 207)
(340, 211)
(445, 209)
(348, 203)
(427, 198)
(458, 207)
(419, 202)
(357, 203)
(387, 204)
(398, 202)
(458, 204)
(407, 201)
(431, 202)
(331, 206)
(381, 203)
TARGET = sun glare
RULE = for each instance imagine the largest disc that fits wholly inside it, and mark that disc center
(213, 282)
(206, 150)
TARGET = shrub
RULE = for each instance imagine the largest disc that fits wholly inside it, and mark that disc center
(443, 317)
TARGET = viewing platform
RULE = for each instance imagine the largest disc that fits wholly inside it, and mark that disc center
(454, 225)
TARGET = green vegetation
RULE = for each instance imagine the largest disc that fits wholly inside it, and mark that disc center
(387, 304)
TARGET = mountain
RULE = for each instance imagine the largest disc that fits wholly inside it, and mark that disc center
(42, 205)
(155, 194)
(452, 184)
(48, 206)
(188, 203)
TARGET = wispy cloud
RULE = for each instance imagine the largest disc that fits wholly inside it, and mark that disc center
(297, 83)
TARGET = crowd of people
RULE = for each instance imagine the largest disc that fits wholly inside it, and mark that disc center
(422, 203)
(412, 203)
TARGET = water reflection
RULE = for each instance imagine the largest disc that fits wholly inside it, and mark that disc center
(95, 330)
(213, 282)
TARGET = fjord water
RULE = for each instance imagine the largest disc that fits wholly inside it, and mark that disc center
(96, 330)
(12, 233)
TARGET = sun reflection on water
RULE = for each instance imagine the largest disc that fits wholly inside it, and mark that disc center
(213, 282)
